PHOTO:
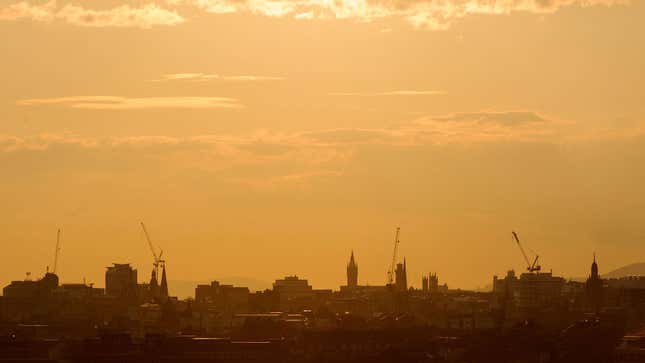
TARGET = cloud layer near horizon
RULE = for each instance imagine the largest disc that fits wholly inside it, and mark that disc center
(424, 14)
(295, 157)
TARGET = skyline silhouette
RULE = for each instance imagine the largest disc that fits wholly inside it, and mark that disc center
(322, 181)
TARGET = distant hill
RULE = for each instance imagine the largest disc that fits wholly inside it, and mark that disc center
(635, 269)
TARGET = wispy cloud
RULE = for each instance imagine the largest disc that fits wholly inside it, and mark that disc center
(422, 14)
(457, 128)
(433, 15)
(123, 16)
(25, 10)
(389, 93)
(506, 117)
(202, 77)
(124, 103)
(259, 159)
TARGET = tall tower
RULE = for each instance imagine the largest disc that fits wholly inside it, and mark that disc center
(352, 272)
(405, 274)
(433, 282)
(401, 276)
(594, 287)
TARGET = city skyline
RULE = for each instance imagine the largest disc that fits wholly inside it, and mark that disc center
(239, 181)
(352, 278)
(267, 138)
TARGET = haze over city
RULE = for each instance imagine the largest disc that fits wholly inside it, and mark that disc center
(258, 139)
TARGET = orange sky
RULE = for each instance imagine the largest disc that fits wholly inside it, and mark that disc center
(260, 138)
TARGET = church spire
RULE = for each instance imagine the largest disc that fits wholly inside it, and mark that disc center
(164, 284)
(154, 285)
(594, 287)
(352, 272)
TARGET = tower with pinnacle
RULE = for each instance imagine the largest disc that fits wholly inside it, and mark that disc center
(594, 287)
(352, 272)
(163, 287)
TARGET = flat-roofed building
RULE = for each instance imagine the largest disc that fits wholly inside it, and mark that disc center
(121, 280)
(227, 297)
(293, 293)
(539, 290)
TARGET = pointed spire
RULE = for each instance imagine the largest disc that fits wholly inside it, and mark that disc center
(154, 285)
(594, 267)
(352, 271)
(164, 283)
(153, 279)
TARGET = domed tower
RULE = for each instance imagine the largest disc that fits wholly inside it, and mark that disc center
(352, 272)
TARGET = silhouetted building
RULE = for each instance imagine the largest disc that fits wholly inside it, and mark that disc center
(509, 285)
(401, 281)
(121, 280)
(430, 283)
(531, 291)
(627, 283)
(225, 297)
(79, 291)
(29, 289)
(293, 292)
(539, 290)
(594, 287)
(352, 272)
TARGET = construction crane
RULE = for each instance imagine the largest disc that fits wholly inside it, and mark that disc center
(530, 267)
(56, 252)
(390, 273)
(157, 261)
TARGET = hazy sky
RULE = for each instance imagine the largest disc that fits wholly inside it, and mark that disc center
(261, 138)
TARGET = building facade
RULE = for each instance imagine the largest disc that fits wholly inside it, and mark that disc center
(121, 280)
(292, 292)
(401, 281)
